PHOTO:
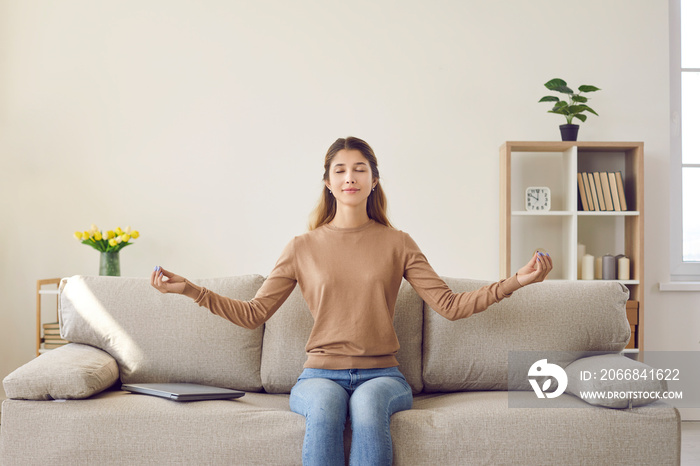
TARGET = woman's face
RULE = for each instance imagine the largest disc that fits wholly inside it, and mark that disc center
(350, 178)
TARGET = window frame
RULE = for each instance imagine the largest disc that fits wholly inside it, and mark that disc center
(679, 270)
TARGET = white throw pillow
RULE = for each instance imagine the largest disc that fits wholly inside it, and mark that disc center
(73, 371)
(613, 381)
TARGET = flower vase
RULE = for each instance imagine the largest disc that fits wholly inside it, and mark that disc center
(109, 263)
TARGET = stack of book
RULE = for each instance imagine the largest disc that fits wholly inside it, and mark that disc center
(604, 191)
(52, 336)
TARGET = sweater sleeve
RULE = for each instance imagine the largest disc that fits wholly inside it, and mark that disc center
(274, 291)
(434, 291)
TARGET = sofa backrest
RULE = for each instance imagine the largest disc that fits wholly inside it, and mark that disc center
(163, 338)
(168, 338)
(560, 316)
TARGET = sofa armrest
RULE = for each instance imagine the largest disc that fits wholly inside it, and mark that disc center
(608, 380)
(73, 371)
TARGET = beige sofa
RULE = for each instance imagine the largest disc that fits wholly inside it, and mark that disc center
(66, 407)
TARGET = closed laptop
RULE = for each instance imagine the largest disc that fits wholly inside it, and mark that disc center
(183, 391)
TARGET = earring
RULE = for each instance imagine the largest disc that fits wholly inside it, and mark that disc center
(329, 190)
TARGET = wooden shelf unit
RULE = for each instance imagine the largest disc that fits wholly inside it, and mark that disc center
(556, 164)
(40, 291)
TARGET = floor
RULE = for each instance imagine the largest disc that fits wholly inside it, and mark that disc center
(690, 443)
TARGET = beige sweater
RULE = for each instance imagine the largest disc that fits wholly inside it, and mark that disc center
(350, 279)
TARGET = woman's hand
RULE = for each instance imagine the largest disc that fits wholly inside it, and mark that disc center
(536, 270)
(167, 282)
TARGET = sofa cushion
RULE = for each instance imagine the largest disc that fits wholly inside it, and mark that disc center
(287, 332)
(119, 428)
(481, 428)
(163, 338)
(564, 316)
(72, 371)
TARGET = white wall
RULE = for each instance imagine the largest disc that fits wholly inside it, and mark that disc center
(204, 125)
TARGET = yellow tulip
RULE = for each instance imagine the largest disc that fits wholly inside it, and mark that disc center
(98, 236)
(112, 242)
(126, 238)
(86, 235)
(78, 235)
(135, 234)
(119, 231)
(110, 234)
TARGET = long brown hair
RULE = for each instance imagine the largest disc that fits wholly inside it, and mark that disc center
(376, 202)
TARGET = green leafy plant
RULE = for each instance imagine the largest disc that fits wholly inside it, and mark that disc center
(574, 106)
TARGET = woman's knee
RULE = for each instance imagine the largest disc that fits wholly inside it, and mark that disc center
(377, 399)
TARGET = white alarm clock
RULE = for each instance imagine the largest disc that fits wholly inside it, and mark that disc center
(538, 198)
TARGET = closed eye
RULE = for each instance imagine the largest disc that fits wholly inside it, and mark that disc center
(359, 167)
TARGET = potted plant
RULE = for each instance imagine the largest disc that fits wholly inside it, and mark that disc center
(109, 243)
(573, 108)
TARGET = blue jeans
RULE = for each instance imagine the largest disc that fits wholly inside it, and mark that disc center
(370, 396)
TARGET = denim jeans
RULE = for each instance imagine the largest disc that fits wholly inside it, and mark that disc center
(369, 396)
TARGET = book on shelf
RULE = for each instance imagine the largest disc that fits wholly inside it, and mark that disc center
(613, 191)
(601, 191)
(582, 192)
(587, 193)
(594, 192)
(52, 336)
(49, 345)
(52, 341)
(621, 190)
(606, 192)
(52, 330)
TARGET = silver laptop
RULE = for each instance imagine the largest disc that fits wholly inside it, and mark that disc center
(183, 391)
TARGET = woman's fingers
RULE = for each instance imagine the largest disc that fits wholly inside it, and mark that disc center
(543, 265)
(157, 280)
(167, 282)
(546, 265)
(165, 275)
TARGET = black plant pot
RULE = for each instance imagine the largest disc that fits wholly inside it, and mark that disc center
(568, 132)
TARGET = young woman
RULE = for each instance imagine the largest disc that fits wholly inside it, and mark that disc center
(349, 267)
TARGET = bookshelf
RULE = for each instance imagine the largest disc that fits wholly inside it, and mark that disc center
(560, 230)
(45, 287)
